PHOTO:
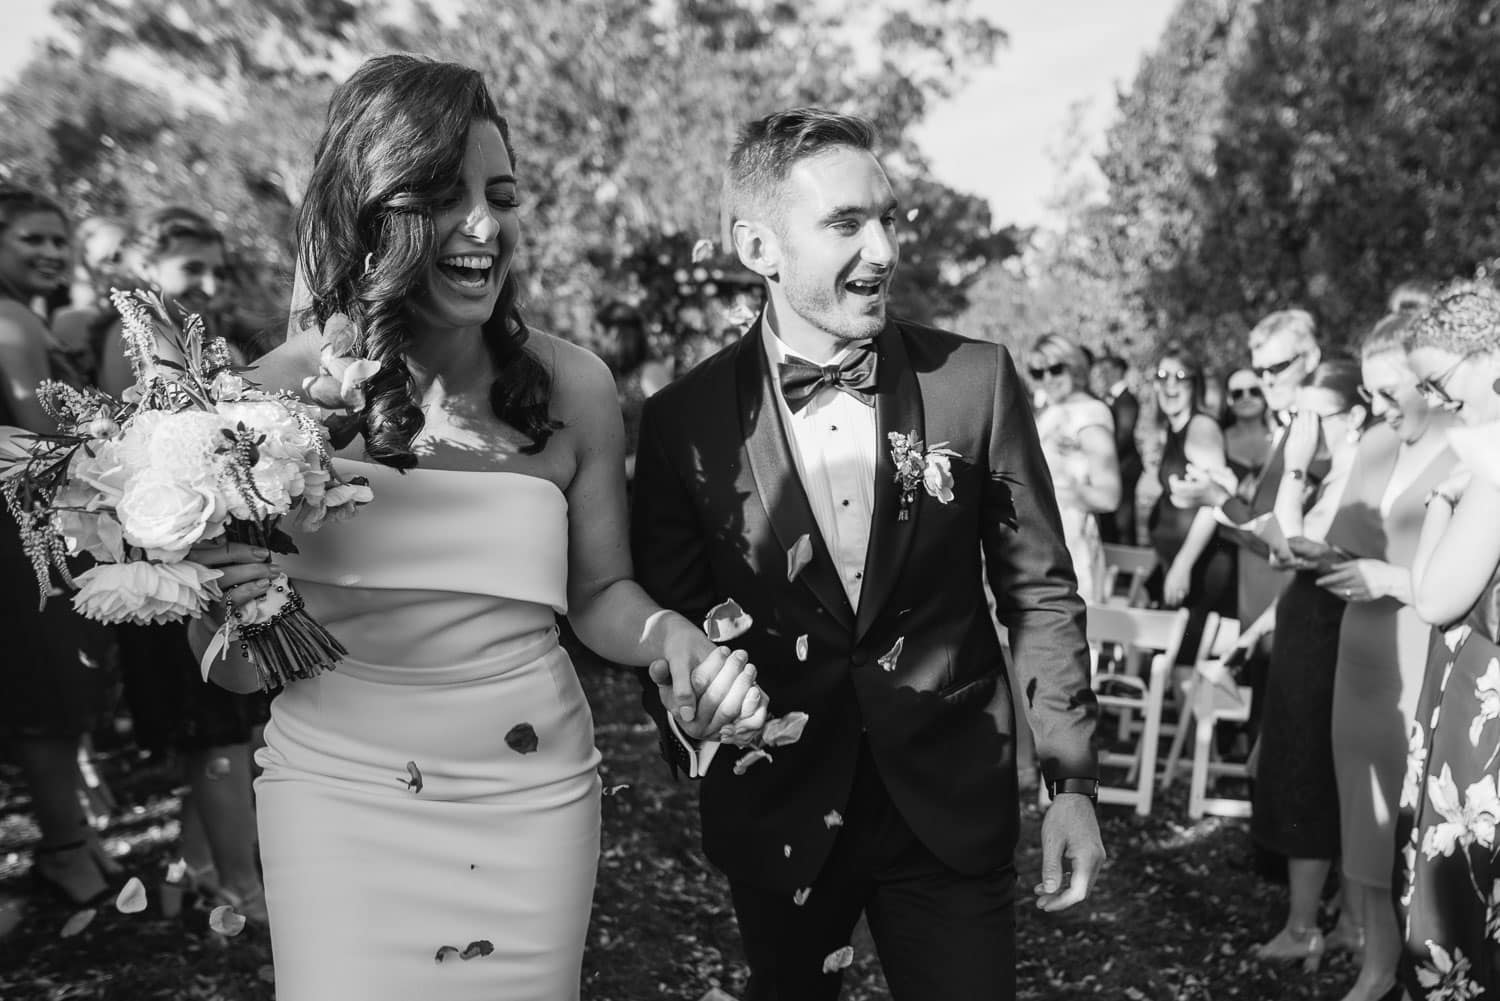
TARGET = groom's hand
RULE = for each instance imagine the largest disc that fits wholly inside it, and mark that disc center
(1070, 830)
(718, 695)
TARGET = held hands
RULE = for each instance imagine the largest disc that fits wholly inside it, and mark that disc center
(1359, 580)
(708, 688)
(1070, 831)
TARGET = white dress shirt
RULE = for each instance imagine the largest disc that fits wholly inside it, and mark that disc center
(833, 446)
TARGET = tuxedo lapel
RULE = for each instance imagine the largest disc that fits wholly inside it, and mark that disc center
(776, 479)
(898, 409)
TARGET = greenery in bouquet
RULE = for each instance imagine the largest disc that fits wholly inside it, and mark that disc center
(193, 452)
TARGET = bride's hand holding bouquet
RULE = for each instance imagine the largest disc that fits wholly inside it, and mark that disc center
(192, 470)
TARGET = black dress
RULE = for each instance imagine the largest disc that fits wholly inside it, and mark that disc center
(55, 679)
(171, 706)
(1211, 585)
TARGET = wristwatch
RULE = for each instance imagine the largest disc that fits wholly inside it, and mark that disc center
(1087, 787)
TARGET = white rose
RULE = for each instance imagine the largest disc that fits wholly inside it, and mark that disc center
(97, 475)
(144, 592)
(937, 478)
(183, 444)
(166, 516)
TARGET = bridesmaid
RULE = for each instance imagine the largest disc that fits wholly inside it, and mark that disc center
(1382, 643)
(1448, 870)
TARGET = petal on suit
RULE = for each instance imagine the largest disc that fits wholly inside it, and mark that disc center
(888, 660)
(833, 819)
(802, 647)
(800, 897)
(749, 758)
(726, 620)
(798, 557)
(838, 959)
(784, 730)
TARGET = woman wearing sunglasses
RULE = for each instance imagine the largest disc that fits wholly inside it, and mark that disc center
(1448, 890)
(1296, 812)
(1247, 424)
(1199, 568)
(1078, 438)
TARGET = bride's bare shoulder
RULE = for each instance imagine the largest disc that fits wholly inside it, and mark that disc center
(286, 365)
(581, 382)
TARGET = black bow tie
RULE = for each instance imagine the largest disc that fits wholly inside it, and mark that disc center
(855, 375)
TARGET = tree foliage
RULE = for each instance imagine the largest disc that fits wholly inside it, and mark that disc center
(622, 113)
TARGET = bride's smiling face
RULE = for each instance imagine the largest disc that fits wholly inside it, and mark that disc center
(476, 231)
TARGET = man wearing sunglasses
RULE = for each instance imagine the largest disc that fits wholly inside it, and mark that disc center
(1283, 352)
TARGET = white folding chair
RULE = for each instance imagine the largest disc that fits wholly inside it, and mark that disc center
(1155, 636)
(1219, 637)
(1212, 698)
(1127, 569)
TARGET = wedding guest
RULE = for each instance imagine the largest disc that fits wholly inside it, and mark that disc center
(1295, 811)
(56, 689)
(1215, 396)
(1247, 425)
(624, 347)
(1448, 869)
(787, 471)
(180, 255)
(1198, 566)
(496, 454)
(1110, 372)
(1382, 641)
(1078, 440)
(81, 326)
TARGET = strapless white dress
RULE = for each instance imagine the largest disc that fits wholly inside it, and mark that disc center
(444, 590)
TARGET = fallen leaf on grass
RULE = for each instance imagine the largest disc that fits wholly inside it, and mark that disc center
(224, 920)
(132, 897)
(522, 738)
(726, 620)
(838, 959)
(78, 922)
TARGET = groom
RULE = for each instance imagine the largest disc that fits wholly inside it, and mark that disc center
(768, 475)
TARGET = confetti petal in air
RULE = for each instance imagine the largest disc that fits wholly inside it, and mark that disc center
(833, 819)
(749, 758)
(784, 730)
(78, 922)
(800, 897)
(726, 620)
(414, 780)
(888, 662)
(702, 251)
(798, 557)
(802, 647)
(224, 920)
(132, 897)
(446, 952)
(522, 738)
(838, 959)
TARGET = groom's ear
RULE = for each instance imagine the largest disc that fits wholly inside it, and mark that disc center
(757, 247)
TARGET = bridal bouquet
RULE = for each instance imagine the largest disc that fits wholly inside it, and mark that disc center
(192, 453)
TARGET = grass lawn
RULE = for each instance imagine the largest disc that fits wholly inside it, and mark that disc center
(1174, 917)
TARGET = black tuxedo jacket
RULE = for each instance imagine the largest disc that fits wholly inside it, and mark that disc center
(718, 504)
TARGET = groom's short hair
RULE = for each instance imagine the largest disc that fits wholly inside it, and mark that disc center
(768, 148)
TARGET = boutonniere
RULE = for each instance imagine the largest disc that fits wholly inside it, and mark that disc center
(917, 466)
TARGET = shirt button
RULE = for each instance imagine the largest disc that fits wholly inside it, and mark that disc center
(859, 575)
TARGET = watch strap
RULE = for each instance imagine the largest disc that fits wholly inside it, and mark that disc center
(1087, 787)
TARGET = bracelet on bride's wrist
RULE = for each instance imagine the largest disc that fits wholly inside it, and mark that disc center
(1438, 493)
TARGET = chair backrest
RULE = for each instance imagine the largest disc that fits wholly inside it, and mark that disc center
(1138, 628)
(1227, 635)
(1135, 564)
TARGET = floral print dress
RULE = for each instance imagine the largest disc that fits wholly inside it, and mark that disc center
(1448, 866)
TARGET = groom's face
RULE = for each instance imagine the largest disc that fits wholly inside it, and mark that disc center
(837, 239)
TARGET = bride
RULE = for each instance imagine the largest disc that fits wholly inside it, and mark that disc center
(440, 788)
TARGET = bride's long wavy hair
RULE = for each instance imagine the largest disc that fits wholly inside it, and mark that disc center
(392, 146)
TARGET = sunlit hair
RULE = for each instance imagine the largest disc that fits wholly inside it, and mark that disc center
(1340, 376)
(157, 233)
(1463, 319)
(1296, 323)
(1055, 348)
(392, 147)
(1188, 361)
(1388, 335)
(766, 151)
(17, 203)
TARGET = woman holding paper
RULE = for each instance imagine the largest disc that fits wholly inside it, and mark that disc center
(1296, 796)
